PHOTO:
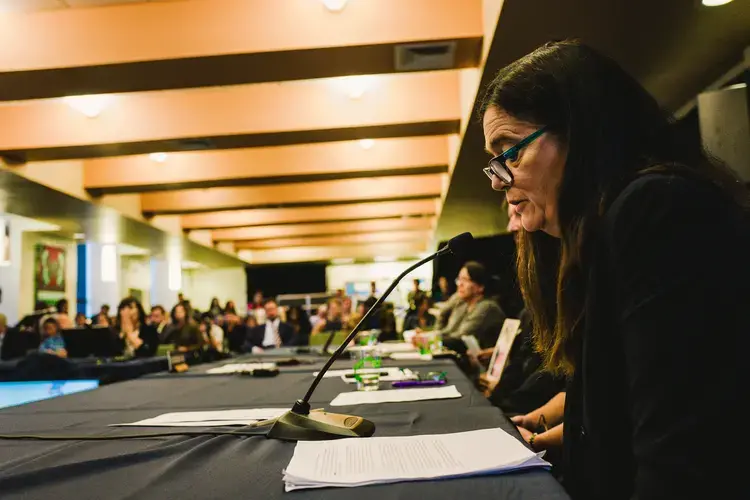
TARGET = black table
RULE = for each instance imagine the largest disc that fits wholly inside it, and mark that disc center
(106, 371)
(226, 466)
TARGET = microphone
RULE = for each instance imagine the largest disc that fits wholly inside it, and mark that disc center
(299, 424)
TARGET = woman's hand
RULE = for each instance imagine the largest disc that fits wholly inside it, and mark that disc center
(485, 354)
(486, 384)
(527, 421)
(525, 434)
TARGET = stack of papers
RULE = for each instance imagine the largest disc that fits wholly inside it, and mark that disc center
(389, 374)
(407, 356)
(362, 461)
(209, 418)
(240, 368)
(396, 395)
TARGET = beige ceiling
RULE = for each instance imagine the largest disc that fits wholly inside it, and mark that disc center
(277, 129)
(284, 132)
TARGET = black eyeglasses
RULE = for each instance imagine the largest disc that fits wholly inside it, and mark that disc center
(497, 166)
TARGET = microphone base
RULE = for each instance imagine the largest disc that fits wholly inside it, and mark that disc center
(319, 426)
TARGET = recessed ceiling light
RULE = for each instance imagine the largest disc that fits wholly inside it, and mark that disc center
(366, 143)
(79, 236)
(355, 86)
(335, 5)
(158, 157)
(715, 3)
(90, 105)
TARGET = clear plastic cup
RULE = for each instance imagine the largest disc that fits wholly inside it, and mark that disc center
(367, 366)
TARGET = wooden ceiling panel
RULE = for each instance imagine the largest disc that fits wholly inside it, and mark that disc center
(291, 108)
(299, 194)
(220, 42)
(336, 240)
(325, 254)
(273, 216)
(328, 229)
(298, 163)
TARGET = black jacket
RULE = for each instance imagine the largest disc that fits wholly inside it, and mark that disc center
(150, 338)
(654, 408)
(256, 335)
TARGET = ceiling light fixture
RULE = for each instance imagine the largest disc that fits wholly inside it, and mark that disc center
(355, 86)
(158, 157)
(366, 143)
(335, 5)
(715, 3)
(79, 236)
(89, 105)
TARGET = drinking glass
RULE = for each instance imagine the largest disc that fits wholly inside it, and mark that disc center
(367, 366)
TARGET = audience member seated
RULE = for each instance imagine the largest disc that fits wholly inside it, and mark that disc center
(346, 311)
(3, 330)
(103, 311)
(135, 338)
(473, 313)
(158, 319)
(297, 317)
(52, 340)
(333, 321)
(524, 385)
(415, 295)
(62, 317)
(443, 292)
(320, 315)
(235, 331)
(273, 333)
(370, 301)
(387, 323)
(421, 318)
(187, 335)
(212, 333)
(81, 321)
(356, 317)
(215, 309)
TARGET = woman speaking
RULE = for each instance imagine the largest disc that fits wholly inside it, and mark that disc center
(633, 263)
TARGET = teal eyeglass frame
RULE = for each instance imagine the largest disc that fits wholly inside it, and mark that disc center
(497, 166)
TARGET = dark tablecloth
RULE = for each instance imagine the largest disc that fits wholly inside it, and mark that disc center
(104, 370)
(225, 466)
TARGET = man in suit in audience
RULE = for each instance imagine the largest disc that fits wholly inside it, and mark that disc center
(271, 334)
(159, 320)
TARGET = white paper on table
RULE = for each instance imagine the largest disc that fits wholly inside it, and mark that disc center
(391, 347)
(208, 418)
(240, 367)
(409, 356)
(395, 395)
(380, 460)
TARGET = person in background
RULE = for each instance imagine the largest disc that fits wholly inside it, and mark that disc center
(443, 291)
(235, 331)
(356, 317)
(63, 319)
(319, 316)
(102, 319)
(421, 318)
(215, 308)
(474, 314)
(346, 310)
(3, 330)
(135, 338)
(158, 319)
(370, 301)
(52, 340)
(333, 321)
(257, 302)
(81, 320)
(186, 335)
(212, 333)
(180, 298)
(103, 310)
(339, 294)
(633, 264)
(297, 317)
(415, 295)
(271, 334)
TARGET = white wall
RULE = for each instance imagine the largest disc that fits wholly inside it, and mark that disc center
(27, 269)
(382, 273)
(10, 277)
(135, 273)
(201, 285)
(99, 292)
(160, 294)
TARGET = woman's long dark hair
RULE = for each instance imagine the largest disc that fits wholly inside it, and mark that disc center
(127, 302)
(614, 131)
